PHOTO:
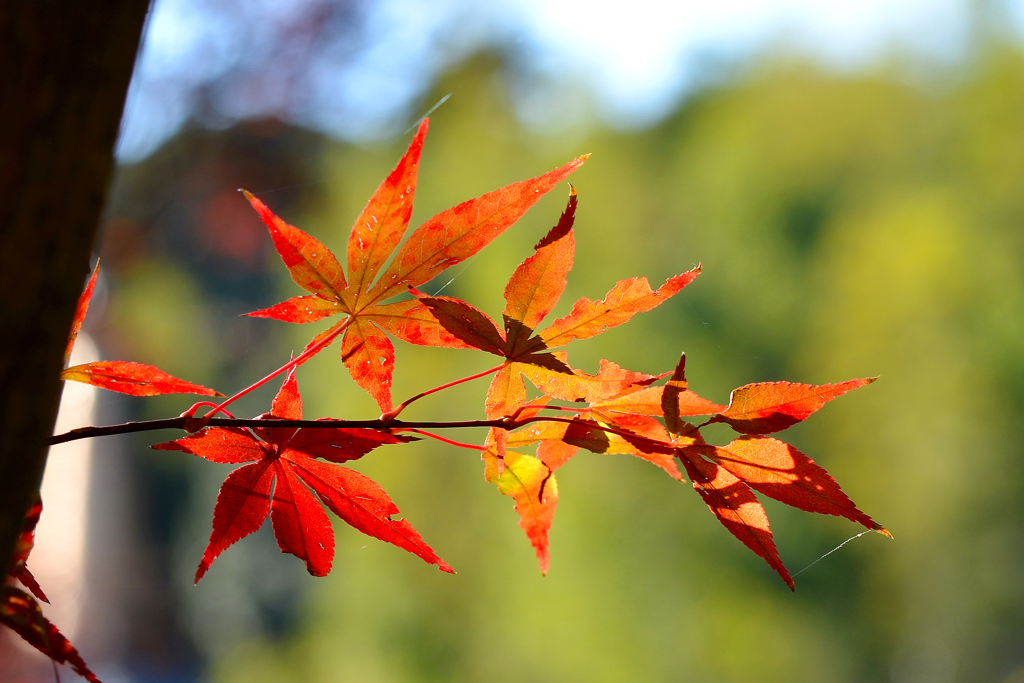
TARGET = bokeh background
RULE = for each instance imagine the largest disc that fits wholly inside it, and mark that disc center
(851, 176)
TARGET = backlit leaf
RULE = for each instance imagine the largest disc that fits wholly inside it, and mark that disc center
(21, 613)
(538, 282)
(626, 299)
(275, 483)
(380, 226)
(300, 309)
(446, 239)
(311, 265)
(242, 506)
(132, 378)
(768, 407)
(365, 506)
(80, 310)
(370, 358)
(461, 231)
(506, 393)
(533, 487)
(780, 471)
(737, 508)
(300, 524)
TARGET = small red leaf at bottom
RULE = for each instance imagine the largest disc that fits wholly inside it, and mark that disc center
(21, 613)
(23, 547)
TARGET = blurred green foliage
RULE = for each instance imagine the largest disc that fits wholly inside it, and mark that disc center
(849, 226)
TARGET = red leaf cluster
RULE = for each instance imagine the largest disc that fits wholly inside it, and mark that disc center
(530, 295)
(446, 239)
(292, 471)
(286, 479)
(625, 412)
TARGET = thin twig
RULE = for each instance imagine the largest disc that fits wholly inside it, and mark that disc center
(450, 442)
(180, 422)
(392, 414)
(294, 362)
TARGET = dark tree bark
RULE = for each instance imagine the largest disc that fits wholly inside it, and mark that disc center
(65, 68)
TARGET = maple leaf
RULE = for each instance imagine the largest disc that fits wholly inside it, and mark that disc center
(281, 478)
(636, 433)
(530, 483)
(531, 293)
(780, 471)
(19, 570)
(767, 407)
(444, 240)
(623, 419)
(736, 507)
(123, 377)
(20, 612)
(724, 476)
(136, 379)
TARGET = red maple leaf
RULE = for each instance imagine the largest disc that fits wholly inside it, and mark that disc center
(446, 239)
(20, 612)
(767, 407)
(531, 293)
(19, 569)
(737, 508)
(282, 478)
(780, 471)
(121, 376)
(724, 476)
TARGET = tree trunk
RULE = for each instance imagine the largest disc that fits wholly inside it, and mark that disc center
(65, 69)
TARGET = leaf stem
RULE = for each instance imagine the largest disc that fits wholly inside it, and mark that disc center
(389, 417)
(195, 406)
(195, 425)
(442, 439)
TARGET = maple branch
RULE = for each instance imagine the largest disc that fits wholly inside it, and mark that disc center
(309, 352)
(390, 416)
(182, 422)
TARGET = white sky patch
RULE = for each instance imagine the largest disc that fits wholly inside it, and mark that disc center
(638, 58)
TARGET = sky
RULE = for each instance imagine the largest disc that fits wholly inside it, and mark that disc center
(358, 69)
